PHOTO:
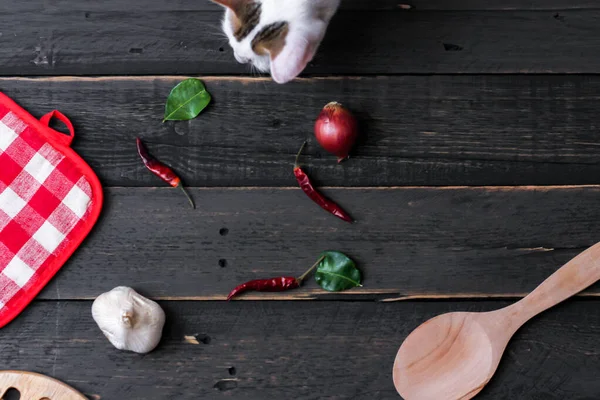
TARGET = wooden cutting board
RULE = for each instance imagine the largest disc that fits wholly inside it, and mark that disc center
(34, 386)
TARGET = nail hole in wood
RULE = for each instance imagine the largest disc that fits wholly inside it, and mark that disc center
(221, 49)
(232, 371)
(11, 394)
(87, 15)
(203, 339)
(452, 47)
(223, 231)
(222, 263)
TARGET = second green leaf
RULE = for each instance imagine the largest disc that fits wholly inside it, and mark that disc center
(337, 272)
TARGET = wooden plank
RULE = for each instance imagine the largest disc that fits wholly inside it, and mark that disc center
(409, 243)
(145, 41)
(282, 350)
(417, 130)
(470, 5)
(356, 5)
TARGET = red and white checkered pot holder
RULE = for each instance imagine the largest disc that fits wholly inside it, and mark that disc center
(49, 201)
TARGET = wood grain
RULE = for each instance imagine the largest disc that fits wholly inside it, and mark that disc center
(283, 350)
(409, 242)
(158, 40)
(417, 130)
(494, 117)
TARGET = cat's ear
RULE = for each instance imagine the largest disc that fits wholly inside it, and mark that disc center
(233, 5)
(290, 55)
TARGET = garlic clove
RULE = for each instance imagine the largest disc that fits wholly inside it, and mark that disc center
(129, 320)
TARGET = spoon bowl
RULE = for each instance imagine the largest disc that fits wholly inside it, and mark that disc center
(453, 356)
(457, 339)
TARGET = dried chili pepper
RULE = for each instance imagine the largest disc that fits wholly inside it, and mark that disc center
(279, 284)
(161, 170)
(308, 188)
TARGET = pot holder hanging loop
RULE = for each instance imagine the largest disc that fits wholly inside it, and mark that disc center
(61, 137)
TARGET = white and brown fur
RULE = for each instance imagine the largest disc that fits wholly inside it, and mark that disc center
(280, 36)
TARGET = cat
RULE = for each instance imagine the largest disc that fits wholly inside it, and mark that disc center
(280, 36)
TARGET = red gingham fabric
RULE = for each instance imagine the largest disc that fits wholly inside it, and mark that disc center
(49, 200)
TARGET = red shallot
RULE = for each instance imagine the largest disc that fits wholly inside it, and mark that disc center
(336, 130)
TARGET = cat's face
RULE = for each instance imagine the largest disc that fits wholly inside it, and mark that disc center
(280, 36)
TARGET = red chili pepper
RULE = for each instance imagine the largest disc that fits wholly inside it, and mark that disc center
(161, 170)
(278, 284)
(308, 188)
(267, 285)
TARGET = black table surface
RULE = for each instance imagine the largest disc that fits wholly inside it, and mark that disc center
(476, 177)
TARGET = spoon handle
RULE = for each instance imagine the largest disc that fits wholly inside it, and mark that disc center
(576, 275)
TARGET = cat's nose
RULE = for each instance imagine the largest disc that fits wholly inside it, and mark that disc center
(241, 60)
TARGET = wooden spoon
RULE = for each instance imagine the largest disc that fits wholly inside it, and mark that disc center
(453, 356)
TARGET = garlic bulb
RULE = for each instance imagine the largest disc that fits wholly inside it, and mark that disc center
(129, 320)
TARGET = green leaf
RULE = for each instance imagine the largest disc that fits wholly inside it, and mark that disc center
(337, 272)
(186, 100)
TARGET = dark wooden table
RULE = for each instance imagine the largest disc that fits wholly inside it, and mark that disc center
(476, 178)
